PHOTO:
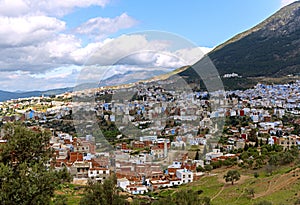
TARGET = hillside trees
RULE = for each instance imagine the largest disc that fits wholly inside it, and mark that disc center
(232, 176)
(24, 176)
(102, 194)
(184, 197)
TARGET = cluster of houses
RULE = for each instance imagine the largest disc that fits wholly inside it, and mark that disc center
(135, 173)
(158, 128)
(38, 109)
(80, 158)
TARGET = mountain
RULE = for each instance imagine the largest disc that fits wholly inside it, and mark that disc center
(132, 77)
(270, 49)
(5, 95)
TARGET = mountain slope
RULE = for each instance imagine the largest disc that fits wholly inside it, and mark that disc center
(272, 48)
(5, 95)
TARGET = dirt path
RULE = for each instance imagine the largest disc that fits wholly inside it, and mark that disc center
(279, 183)
(239, 196)
(218, 193)
(220, 179)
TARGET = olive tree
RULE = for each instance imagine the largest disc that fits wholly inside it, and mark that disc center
(25, 177)
(232, 176)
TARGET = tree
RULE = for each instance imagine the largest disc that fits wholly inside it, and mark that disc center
(256, 142)
(204, 150)
(183, 197)
(252, 135)
(60, 200)
(274, 160)
(164, 201)
(24, 176)
(264, 203)
(256, 175)
(197, 157)
(251, 192)
(232, 175)
(261, 142)
(208, 167)
(286, 158)
(200, 169)
(246, 147)
(107, 193)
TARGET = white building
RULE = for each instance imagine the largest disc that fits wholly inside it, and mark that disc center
(137, 189)
(123, 183)
(148, 138)
(99, 174)
(184, 175)
(214, 154)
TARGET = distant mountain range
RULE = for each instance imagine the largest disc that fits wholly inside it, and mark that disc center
(4, 95)
(132, 76)
(270, 49)
(118, 79)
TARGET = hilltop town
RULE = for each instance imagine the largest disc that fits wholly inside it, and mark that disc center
(158, 137)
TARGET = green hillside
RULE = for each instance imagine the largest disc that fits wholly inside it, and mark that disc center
(270, 49)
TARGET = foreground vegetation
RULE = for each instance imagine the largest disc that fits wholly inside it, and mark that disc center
(24, 178)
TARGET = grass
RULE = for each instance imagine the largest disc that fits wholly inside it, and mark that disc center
(284, 182)
(281, 188)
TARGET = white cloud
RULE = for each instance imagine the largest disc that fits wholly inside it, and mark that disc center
(26, 82)
(62, 46)
(45, 7)
(286, 2)
(40, 57)
(39, 43)
(38, 52)
(29, 30)
(100, 27)
(53, 61)
(119, 48)
(13, 7)
(192, 55)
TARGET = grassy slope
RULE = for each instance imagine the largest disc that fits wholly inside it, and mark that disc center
(282, 187)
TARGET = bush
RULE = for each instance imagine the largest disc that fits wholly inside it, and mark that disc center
(264, 203)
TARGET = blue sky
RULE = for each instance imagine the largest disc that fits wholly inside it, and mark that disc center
(45, 44)
(205, 22)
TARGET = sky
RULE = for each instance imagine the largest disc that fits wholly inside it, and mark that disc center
(46, 44)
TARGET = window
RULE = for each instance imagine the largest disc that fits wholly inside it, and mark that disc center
(104, 172)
